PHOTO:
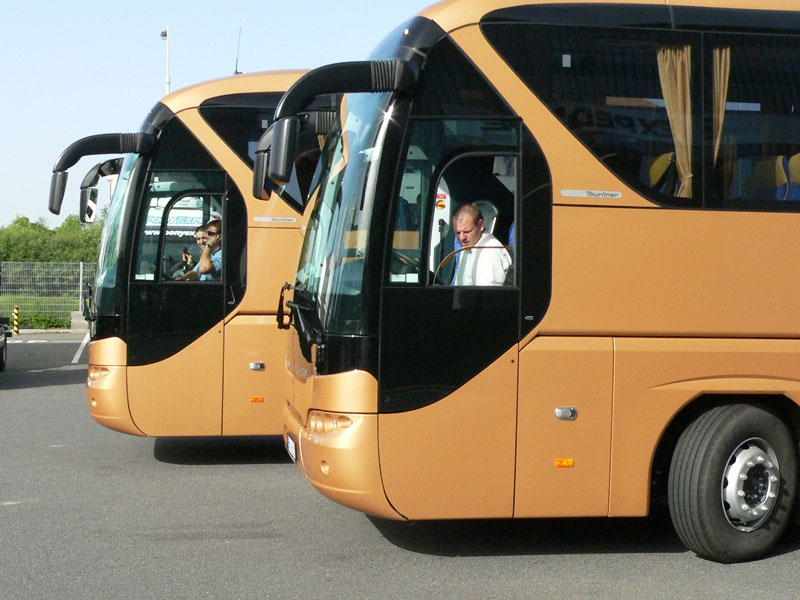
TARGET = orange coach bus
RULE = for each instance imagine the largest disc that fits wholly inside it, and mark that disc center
(639, 163)
(189, 358)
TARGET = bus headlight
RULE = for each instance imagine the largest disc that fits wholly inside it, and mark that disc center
(96, 373)
(327, 423)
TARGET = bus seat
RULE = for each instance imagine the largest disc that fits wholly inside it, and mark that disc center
(658, 166)
(403, 216)
(663, 173)
(770, 179)
(725, 174)
(489, 212)
(794, 178)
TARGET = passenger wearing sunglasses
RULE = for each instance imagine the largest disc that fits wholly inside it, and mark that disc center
(209, 265)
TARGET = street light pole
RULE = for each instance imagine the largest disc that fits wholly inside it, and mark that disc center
(165, 36)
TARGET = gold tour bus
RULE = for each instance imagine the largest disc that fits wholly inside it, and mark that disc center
(189, 358)
(638, 163)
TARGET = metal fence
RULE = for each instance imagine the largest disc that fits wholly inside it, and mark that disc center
(45, 294)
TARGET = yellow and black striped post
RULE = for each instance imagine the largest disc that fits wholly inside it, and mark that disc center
(16, 319)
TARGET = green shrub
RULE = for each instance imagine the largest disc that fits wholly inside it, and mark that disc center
(43, 321)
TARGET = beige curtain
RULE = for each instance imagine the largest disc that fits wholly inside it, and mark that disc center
(674, 70)
(722, 71)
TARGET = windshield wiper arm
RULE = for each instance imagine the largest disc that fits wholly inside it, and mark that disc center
(309, 334)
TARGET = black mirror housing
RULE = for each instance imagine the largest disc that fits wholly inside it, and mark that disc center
(285, 133)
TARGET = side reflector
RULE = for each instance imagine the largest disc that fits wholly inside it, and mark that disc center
(565, 463)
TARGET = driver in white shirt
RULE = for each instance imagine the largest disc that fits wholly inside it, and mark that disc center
(484, 261)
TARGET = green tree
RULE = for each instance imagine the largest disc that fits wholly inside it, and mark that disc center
(75, 241)
(27, 241)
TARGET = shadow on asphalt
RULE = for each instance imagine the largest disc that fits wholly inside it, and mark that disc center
(508, 537)
(17, 376)
(500, 537)
(221, 450)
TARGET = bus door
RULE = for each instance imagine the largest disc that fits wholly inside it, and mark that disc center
(448, 353)
(175, 321)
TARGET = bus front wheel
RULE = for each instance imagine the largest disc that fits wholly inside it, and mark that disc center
(732, 483)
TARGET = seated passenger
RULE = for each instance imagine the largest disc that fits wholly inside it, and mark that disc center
(209, 265)
(484, 260)
(188, 261)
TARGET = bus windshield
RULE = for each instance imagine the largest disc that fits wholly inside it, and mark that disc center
(335, 248)
(106, 301)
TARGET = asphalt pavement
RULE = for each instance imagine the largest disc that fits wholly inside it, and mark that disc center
(89, 513)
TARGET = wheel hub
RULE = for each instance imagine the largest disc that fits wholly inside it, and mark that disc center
(750, 484)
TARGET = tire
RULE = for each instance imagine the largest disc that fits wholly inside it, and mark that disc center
(732, 483)
(3, 353)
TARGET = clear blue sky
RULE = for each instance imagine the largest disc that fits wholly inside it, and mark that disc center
(72, 69)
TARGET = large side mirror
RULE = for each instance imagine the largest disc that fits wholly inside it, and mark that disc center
(261, 182)
(284, 149)
(302, 141)
(88, 205)
(58, 187)
(339, 78)
(88, 210)
(104, 143)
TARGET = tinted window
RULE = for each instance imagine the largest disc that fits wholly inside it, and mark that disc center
(686, 118)
(240, 120)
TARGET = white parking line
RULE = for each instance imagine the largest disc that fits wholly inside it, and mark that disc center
(77, 356)
(18, 341)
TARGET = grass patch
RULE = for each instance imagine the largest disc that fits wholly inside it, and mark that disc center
(39, 313)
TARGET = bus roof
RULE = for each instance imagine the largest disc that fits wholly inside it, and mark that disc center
(450, 14)
(263, 81)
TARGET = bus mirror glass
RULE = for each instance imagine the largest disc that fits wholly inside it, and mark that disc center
(88, 204)
(260, 175)
(261, 185)
(284, 149)
(58, 186)
(89, 193)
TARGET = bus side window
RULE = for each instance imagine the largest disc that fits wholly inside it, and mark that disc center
(449, 163)
(179, 251)
(406, 241)
(234, 246)
(488, 182)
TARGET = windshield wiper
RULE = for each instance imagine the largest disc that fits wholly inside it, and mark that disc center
(280, 316)
(300, 316)
(88, 294)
